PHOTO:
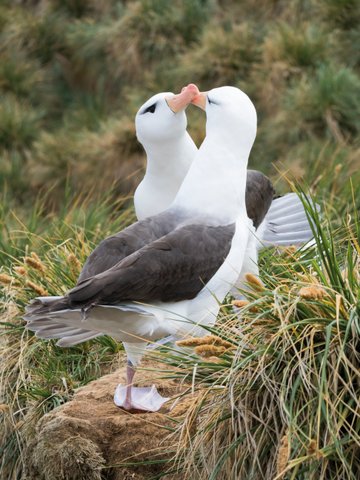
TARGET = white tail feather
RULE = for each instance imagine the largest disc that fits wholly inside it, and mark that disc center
(290, 218)
(52, 334)
(48, 329)
(82, 336)
(273, 214)
(300, 226)
(127, 322)
(285, 200)
(287, 239)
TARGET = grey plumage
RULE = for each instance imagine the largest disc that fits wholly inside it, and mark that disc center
(259, 195)
(258, 198)
(119, 246)
(172, 268)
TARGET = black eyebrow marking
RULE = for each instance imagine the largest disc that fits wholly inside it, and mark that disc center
(150, 109)
(211, 101)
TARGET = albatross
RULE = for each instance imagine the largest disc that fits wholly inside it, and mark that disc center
(170, 272)
(161, 128)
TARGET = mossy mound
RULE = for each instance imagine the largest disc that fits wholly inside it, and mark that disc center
(89, 438)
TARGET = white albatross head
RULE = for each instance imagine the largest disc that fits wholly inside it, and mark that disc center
(216, 182)
(230, 115)
(161, 129)
(162, 118)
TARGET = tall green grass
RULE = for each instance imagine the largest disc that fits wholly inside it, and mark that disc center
(284, 400)
(37, 376)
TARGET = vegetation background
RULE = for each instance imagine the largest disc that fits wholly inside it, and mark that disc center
(72, 75)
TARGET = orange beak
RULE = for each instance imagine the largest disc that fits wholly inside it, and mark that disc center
(200, 100)
(179, 102)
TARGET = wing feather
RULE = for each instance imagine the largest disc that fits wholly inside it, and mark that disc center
(172, 268)
(258, 197)
(119, 246)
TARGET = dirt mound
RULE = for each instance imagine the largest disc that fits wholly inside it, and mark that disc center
(89, 438)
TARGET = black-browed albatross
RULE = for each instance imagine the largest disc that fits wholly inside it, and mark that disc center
(171, 267)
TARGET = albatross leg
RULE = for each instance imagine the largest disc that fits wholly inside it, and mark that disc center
(130, 372)
(130, 398)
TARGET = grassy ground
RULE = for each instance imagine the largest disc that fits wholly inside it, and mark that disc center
(72, 75)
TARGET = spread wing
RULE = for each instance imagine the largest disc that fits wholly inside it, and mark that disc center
(172, 268)
(258, 197)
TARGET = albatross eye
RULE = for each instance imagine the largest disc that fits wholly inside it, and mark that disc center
(150, 109)
(211, 102)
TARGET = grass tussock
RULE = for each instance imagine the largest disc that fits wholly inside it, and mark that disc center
(283, 400)
(38, 376)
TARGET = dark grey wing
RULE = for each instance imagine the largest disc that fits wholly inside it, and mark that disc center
(258, 197)
(173, 268)
(113, 249)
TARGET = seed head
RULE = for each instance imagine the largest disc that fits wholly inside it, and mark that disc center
(35, 262)
(37, 288)
(313, 449)
(254, 282)
(213, 359)
(215, 340)
(190, 342)
(74, 263)
(313, 292)
(35, 256)
(240, 303)
(283, 455)
(20, 270)
(6, 279)
(244, 303)
(209, 350)
(207, 340)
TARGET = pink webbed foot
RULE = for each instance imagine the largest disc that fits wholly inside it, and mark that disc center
(146, 399)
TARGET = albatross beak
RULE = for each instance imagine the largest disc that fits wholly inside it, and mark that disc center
(181, 101)
(200, 100)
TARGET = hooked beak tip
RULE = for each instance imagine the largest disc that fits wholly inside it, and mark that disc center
(179, 102)
(200, 100)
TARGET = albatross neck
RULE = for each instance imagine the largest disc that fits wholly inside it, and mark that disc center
(216, 182)
(170, 160)
(167, 165)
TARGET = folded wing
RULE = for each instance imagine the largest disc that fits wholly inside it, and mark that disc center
(173, 268)
(119, 246)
